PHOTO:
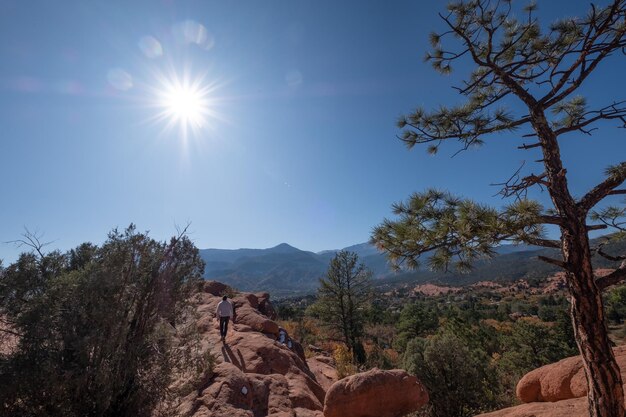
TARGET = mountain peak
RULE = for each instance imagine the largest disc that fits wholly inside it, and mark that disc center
(284, 247)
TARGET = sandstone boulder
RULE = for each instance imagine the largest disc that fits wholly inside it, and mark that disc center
(561, 380)
(215, 288)
(575, 407)
(375, 393)
(324, 371)
(250, 317)
(248, 300)
(265, 307)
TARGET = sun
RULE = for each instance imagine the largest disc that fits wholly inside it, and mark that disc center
(186, 105)
(184, 102)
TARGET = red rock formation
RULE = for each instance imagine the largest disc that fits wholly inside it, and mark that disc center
(265, 307)
(375, 393)
(576, 407)
(255, 375)
(573, 407)
(561, 380)
(215, 288)
(433, 290)
(323, 367)
(555, 390)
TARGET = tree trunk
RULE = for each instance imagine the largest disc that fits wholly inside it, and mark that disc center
(604, 381)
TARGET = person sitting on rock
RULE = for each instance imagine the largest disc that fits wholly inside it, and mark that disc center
(282, 335)
(224, 312)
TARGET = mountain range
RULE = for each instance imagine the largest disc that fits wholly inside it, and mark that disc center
(285, 270)
(281, 269)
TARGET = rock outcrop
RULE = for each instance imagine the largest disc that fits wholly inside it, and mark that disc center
(255, 374)
(375, 393)
(323, 367)
(260, 371)
(561, 380)
(555, 390)
(576, 407)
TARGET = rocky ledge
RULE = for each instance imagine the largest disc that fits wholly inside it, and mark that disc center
(555, 390)
(258, 373)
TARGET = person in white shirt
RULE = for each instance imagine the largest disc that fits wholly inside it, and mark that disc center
(224, 312)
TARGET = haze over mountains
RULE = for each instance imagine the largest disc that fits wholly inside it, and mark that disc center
(285, 270)
(282, 269)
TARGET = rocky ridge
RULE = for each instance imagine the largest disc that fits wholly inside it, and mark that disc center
(260, 372)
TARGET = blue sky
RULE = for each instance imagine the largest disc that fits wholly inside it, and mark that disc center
(300, 147)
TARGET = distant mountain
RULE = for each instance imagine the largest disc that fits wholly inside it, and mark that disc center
(506, 249)
(285, 270)
(282, 269)
(511, 263)
(362, 249)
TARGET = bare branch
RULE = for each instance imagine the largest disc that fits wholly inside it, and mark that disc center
(518, 187)
(533, 145)
(553, 261)
(617, 176)
(613, 278)
(31, 240)
(597, 226)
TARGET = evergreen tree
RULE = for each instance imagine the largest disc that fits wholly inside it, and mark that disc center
(95, 327)
(542, 70)
(342, 297)
(416, 320)
(458, 377)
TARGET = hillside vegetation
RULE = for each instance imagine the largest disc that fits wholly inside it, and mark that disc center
(287, 271)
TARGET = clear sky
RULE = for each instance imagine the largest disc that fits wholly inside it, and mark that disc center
(298, 146)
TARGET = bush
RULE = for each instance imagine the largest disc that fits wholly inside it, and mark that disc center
(458, 379)
(344, 361)
(96, 327)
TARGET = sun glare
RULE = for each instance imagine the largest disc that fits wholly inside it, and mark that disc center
(184, 103)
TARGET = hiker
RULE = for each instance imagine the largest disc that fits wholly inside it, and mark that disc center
(282, 335)
(224, 312)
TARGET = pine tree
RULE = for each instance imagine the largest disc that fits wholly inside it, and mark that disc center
(541, 70)
(342, 296)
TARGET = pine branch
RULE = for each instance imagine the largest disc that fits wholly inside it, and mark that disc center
(617, 175)
(589, 48)
(611, 112)
(546, 243)
(613, 258)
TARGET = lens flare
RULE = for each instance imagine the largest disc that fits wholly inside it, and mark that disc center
(150, 47)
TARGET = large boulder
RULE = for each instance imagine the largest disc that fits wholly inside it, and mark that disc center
(575, 407)
(561, 380)
(375, 393)
(250, 317)
(265, 306)
(555, 390)
(324, 370)
(215, 288)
